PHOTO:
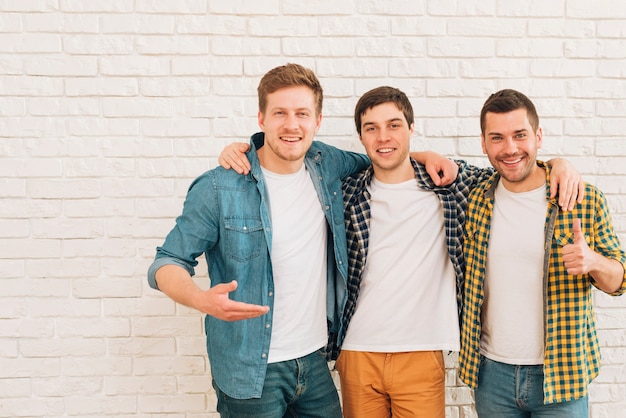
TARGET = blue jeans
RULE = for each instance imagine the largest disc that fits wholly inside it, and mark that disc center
(301, 388)
(510, 391)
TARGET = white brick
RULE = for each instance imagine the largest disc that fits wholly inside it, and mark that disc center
(220, 24)
(535, 8)
(180, 44)
(106, 288)
(90, 405)
(50, 387)
(609, 9)
(133, 66)
(13, 308)
(142, 346)
(151, 366)
(159, 404)
(153, 385)
(15, 388)
(138, 23)
(171, 6)
(243, 7)
(118, 86)
(118, 6)
(561, 28)
(73, 66)
(11, 269)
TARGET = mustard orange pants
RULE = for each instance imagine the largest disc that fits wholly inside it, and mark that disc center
(402, 385)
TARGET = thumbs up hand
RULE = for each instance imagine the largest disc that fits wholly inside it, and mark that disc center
(578, 257)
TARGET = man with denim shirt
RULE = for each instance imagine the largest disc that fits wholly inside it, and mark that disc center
(275, 247)
(265, 327)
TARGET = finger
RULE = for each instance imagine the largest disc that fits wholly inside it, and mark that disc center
(576, 228)
(581, 191)
(564, 194)
(225, 287)
(434, 175)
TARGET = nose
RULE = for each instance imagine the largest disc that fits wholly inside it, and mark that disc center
(510, 147)
(383, 135)
(291, 122)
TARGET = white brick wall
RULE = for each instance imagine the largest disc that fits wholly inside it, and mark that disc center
(109, 108)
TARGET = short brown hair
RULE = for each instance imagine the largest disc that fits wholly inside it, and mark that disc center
(508, 100)
(289, 75)
(378, 96)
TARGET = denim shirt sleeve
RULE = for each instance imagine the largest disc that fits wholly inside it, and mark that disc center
(196, 230)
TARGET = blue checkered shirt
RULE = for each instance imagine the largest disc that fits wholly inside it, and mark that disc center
(356, 198)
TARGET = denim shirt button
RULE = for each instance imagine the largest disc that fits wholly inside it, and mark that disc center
(267, 325)
(270, 294)
(263, 355)
(327, 207)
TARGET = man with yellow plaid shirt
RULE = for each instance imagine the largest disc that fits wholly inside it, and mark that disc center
(528, 339)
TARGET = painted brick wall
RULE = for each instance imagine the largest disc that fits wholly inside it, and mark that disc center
(109, 108)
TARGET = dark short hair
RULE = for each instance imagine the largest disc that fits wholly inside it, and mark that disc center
(289, 75)
(508, 100)
(378, 96)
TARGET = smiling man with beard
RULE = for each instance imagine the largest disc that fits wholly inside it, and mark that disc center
(528, 339)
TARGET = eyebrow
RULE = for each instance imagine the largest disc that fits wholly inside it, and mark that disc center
(387, 121)
(515, 132)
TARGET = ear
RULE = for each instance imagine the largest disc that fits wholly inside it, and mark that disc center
(482, 143)
(318, 123)
(261, 120)
(539, 137)
(412, 128)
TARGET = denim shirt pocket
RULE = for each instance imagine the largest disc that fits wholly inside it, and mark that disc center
(244, 237)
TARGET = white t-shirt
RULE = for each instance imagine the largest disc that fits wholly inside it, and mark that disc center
(512, 315)
(298, 257)
(407, 300)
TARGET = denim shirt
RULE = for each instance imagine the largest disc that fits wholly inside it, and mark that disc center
(226, 216)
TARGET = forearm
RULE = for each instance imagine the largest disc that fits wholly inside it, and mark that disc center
(177, 283)
(423, 156)
(607, 273)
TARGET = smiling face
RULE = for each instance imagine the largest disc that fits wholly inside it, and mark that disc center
(386, 134)
(289, 121)
(511, 145)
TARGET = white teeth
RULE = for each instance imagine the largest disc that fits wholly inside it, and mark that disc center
(512, 161)
(385, 150)
(290, 139)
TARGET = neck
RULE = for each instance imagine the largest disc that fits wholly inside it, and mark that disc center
(535, 179)
(395, 175)
(275, 164)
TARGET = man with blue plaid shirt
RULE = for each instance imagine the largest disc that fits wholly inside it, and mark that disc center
(528, 339)
(405, 269)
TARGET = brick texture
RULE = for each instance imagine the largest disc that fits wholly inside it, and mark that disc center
(109, 108)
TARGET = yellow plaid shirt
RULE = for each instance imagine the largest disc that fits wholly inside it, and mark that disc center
(572, 353)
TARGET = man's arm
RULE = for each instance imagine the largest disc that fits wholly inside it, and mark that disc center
(177, 283)
(568, 183)
(578, 258)
(442, 171)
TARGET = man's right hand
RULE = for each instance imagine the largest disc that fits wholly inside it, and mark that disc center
(176, 283)
(234, 156)
(216, 303)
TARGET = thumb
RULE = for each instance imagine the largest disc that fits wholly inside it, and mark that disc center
(578, 234)
(227, 287)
